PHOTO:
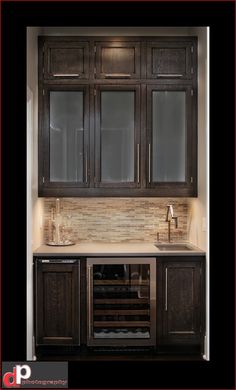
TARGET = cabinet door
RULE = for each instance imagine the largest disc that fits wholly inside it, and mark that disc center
(57, 303)
(117, 136)
(119, 60)
(66, 60)
(172, 140)
(171, 59)
(182, 296)
(64, 145)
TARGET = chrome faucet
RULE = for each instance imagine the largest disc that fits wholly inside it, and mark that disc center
(169, 217)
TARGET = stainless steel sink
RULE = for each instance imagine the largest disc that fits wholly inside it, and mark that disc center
(173, 247)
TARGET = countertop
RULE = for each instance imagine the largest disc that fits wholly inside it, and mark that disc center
(113, 249)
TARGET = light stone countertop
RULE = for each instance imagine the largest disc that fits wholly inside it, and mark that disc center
(113, 249)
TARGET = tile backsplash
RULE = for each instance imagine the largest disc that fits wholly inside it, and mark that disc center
(119, 219)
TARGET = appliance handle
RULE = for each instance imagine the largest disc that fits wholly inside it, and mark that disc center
(89, 275)
(59, 261)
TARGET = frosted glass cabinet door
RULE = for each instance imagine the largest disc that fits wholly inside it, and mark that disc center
(117, 137)
(169, 126)
(66, 157)
(168, 136)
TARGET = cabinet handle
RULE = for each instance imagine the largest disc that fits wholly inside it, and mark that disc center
(65, 74)
(86, 167)
(149, 163)
(169, 75)
(59, 261)
(138, 158)
(166, 301)
(117, 75)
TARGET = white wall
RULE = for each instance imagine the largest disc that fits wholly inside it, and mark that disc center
(34, 204)
(199, 207)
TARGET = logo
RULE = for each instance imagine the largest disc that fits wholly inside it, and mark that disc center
(34, 375)
(14, 378)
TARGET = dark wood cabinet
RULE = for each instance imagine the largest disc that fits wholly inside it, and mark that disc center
(171, 58)
(117, 60)
(65, 59)
(64, 159)
(171, 139)
(57, 301)
(117, 132)
(166, 294)
(182, 302)
(118, 116)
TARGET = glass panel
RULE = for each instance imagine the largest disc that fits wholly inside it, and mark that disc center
(168, 136)
(117, 136)
(121, 301)
(66, 136)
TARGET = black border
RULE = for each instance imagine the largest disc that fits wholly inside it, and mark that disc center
(220, 16)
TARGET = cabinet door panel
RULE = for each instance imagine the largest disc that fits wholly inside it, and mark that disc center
(168, 136)
(182, 298)
(117, 60)
(65, 60)
(172, 138)
(117, 131)
(65, 141)
(169, 59)
(57, 304)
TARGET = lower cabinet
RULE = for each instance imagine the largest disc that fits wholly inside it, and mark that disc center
(181, 288)
(57, 317)
(121, 302)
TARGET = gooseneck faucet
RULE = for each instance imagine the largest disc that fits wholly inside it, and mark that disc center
(169, 217)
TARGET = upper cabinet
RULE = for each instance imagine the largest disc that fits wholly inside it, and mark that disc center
(117, 60)
(118, 116)
(117, 131)
(66, 59)
(64, 142)
(174, 59)
(171, 136)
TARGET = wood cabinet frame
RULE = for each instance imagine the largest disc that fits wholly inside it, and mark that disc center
(189, 46)
(61, 44)
(93, 187)
(119, 44)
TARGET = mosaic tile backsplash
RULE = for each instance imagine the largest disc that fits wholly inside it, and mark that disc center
(118, 219)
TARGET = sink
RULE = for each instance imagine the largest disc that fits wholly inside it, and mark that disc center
(173, 247)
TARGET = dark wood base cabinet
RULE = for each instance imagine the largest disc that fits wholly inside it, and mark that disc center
(57, 301)
(63, 296)
(181, 312)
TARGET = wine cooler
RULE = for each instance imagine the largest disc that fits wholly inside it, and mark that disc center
(121, 301)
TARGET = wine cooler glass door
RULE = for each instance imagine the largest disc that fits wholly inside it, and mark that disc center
(121, 301)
